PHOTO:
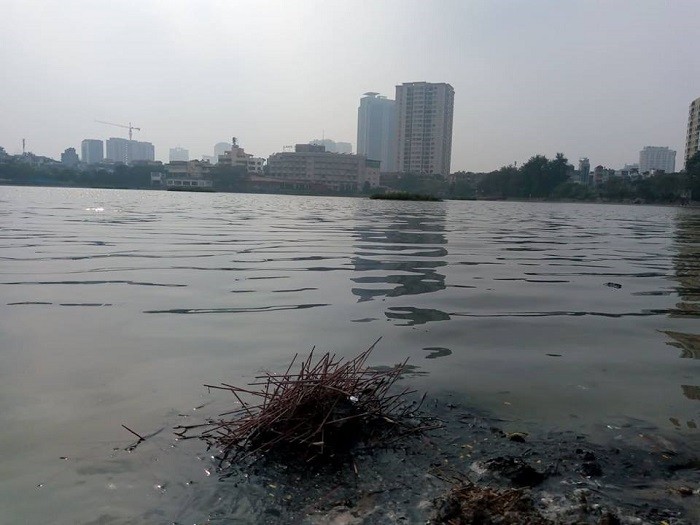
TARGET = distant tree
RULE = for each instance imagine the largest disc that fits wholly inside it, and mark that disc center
(230, 178)
(535, 174)
(617, 189)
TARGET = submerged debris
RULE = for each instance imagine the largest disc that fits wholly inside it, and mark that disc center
(328, 407)
(469, 504)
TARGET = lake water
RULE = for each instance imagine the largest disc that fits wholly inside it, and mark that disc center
(117, 306)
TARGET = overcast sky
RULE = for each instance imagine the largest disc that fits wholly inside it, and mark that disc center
(587, 78)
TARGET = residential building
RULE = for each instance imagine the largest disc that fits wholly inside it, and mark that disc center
(126, 151)
(178, 154)
(584, 171)
(654, 158)
(70, 158)
(692, 140)
(332, 146)
(311, 168)
(92, 151)
(424, 127)
(142, 151)
(376, 130)
(601, 175)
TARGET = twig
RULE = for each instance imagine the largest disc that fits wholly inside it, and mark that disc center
(141, 438)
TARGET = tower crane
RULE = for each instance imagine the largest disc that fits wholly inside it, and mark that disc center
(129, 127)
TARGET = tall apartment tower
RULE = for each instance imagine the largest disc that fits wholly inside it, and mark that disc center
(657, 158)
(127, 151)
(424, 127)
(376, 130)
(692, 141)
(179, 154)
(92, 151)
(584, 170)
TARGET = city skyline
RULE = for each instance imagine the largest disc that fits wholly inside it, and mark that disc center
(519, 95)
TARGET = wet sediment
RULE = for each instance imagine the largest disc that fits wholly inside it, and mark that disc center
(473, 471)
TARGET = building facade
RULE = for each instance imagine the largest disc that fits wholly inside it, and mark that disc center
(236, 156)
(70, 158)
(186, 174)
(376, 130)
(311, 168)
(220, 148)
(692, 140)
(126, 151)
(92, 151)
(654, 158)
(424, 127)
(584, 171)
(332, 146)
(178, 154)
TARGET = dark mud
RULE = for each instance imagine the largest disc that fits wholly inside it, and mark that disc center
(639, 477)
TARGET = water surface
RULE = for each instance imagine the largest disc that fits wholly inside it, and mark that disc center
(116, 306)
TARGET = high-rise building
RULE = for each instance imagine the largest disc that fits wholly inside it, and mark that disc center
(653, 158)
(692, 141)
(92, 151)
(179, 154)
(376, 130)
(424, 127)
(70, 157)
(584, 170)
(221, 147)
(332, 146)
(126, 151)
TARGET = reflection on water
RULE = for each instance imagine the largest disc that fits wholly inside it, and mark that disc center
(437, 351)
(687, 272)
(688, 343)
(404, 252)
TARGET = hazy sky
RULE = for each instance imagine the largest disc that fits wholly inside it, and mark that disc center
(594, 78)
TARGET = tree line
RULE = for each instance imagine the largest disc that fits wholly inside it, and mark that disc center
(539, 178)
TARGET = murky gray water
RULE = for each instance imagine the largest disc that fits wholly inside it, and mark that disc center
(117, 306)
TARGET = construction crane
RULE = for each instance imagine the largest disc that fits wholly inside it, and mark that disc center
(129, 127)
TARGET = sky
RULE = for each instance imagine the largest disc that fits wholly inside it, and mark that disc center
(589, 78)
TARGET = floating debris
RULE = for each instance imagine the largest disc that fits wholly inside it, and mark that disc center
(325, 409)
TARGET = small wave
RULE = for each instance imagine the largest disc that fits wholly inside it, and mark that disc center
(235, 310)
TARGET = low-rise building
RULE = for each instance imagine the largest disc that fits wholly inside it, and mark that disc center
(236, 156)
(193, 173)
(311, 168)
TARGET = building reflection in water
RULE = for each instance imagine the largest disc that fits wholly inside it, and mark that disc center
(400, 254)
(687, 269)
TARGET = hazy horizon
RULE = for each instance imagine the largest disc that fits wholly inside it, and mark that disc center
(578, 77)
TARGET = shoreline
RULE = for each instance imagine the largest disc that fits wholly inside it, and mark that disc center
(692, 205)
(643, 477)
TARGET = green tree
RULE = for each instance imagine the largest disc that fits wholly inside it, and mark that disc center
(230, 178)
(692, 171)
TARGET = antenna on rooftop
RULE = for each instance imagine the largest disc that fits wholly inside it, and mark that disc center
(24, 143)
